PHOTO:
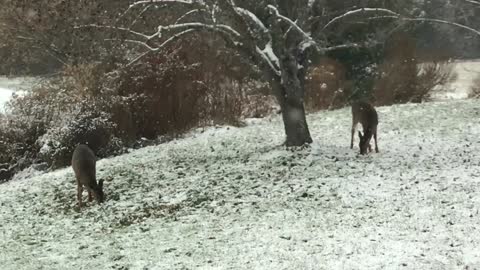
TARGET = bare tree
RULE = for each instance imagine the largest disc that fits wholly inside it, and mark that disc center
(279, 36)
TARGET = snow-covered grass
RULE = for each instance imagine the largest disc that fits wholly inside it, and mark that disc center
(234, 198)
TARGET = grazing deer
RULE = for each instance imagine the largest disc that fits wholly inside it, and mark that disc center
(364, 113)
(83, 163)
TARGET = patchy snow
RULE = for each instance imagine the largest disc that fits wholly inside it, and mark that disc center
(234, 198)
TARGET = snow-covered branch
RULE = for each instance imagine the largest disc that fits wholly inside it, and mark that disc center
(360, 11)
(473, 2)
(442, 22)
(147, 2)
(267, 54)
(430, 20)
(253, 18)
(347, 46)
(290, 22)
(139, 15)
(127, 30)
(270, 58)
(199, 26)
(136, 42)
(193, 11)
(161, 46)
(393, 15)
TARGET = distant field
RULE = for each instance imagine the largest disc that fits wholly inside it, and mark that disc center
(467, 71)
(10, 85)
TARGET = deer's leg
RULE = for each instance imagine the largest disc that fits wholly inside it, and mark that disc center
(375, 137)
(353, 135)
(79, 194)
(90, 198)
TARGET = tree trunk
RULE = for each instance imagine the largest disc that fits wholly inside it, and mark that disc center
(295, 122)
(291, 102)
(289, 88)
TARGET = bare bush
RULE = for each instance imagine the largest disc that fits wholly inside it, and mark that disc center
(475, 90)
(402, 79)
(430, 75)
(259, 106)
(397, 86)
(223, 103)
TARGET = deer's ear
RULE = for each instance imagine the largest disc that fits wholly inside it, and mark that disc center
(360, 135)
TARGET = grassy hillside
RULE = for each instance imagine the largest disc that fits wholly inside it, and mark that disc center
(234, 198)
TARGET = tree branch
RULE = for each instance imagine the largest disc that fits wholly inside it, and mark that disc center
(267, 54)
(291, 23)
(136, 42)
(473, 2)
(358, 11)
(193, 11)
(202, 26)
(161, 46)
(442, 22)
(147, 2)
(349, 46)
(430, 20)
(134, 33)
(144, 10)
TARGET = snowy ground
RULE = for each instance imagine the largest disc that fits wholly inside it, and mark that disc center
(234, 198)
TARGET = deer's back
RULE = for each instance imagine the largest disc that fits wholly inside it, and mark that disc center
(365, 113)
(83, 163)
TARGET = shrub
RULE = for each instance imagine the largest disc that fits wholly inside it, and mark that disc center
(398, 86)
(17, 144)
(475, 89)
(46, 123)
(430, 75)
(84, 126)
(163, 95)
(259, 106)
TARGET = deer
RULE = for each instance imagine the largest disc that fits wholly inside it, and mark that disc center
(83, 164)
(365, 114)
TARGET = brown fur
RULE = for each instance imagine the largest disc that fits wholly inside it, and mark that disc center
(365, 114)
(83, 164)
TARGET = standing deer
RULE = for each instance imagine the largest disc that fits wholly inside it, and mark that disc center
(364, 113)
(83, 164)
